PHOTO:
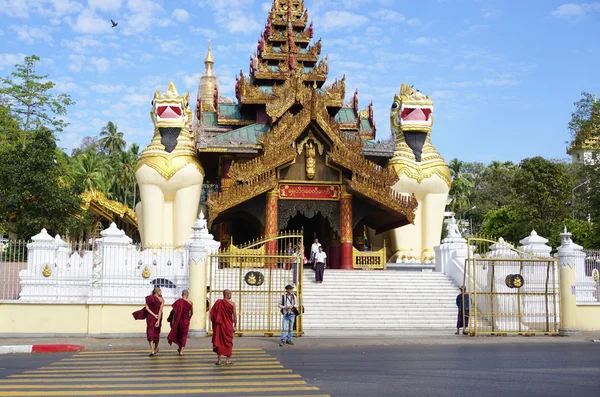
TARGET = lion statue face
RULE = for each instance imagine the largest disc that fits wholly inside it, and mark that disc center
(411, 111)
(411, 118)
(169, 110)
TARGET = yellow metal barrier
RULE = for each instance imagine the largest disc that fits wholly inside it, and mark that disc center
(511, 292)
(257, 274)
(369, 260)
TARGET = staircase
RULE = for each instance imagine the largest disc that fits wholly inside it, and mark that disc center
(378, 300)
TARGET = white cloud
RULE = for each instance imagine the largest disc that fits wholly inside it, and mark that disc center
(49, 8)
(90, 23)
(137, 99)
(235, 15)
(86, 44)
(77, 62)
(208, 33)
(191, 81)
(180, 15)
(333, 20)
(389, 15)
(31, 34)
(423, 41)
(107, 88)
(65, 85)
(413, 22)
(143, 14)
(147, 57)
(10, 60)
(576, 10)
(175, 47)
(101, 65)
(105, 5)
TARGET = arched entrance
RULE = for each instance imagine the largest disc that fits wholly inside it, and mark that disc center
(315, 218)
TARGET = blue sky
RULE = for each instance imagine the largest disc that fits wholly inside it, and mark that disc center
(503, 74)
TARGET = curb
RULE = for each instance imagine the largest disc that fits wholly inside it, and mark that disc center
(13, 349)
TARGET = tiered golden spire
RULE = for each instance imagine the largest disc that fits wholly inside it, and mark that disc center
(209, 61)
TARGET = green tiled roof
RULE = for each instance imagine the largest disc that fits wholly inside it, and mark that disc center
(245, 135)
(209, 119)
(345, 115)
(303, 51)
(307, 69)
(266, 89)
(231, 111)
(364, 125)
(276, 49)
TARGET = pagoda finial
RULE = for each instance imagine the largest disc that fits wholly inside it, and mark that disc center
(209, 61)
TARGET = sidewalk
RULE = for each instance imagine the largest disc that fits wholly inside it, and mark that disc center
(325, 338)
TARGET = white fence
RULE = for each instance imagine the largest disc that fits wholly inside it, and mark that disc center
(108, 270)
(587, 278)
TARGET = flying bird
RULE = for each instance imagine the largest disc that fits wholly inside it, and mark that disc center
(114, 24)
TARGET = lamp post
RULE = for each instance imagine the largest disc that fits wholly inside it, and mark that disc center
(573, 197)
(470, 224)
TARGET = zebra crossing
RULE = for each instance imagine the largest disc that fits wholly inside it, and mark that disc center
(124, 373)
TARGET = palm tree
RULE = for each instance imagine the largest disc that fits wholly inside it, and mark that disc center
(112, 140)
(91, 169)
(462, 186)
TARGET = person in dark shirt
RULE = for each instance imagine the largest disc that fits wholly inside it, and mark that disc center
(462, 302)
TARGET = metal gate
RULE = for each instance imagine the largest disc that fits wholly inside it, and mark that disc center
(511, 292)
(257, 274)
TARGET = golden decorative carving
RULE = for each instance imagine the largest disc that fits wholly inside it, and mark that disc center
(168, 165)
(98, 199)
(404, 161)
(385, 196)
(239, 193)
(309, 136)
(47, 272)
(176, 113)
(146, 272)
(337, 90)
(249, 93)
(291, 91)
(310, 160)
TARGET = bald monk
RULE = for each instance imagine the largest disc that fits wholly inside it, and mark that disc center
(154, 307)
(224, 321)
(180, 316)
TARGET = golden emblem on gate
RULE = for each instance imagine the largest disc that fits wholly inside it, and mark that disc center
(514, 281)
(254, 278)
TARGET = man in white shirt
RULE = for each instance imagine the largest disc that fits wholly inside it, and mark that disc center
(314, 250)
(321, 259)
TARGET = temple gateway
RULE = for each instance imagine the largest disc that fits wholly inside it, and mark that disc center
(289, 153)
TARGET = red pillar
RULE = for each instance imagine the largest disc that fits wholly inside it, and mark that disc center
(346, 231)
(271, 225)
(334, 252)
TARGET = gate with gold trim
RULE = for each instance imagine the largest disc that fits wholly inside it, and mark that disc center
(257, 273)
(511, 291)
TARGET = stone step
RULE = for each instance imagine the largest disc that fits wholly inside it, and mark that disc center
(354, 300)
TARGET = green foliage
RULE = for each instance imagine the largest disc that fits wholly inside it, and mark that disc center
(30, 99)
(112, 141)
(585, 119)
(34, 193)
(504, 222)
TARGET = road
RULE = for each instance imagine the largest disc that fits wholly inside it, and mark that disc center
(540, 369)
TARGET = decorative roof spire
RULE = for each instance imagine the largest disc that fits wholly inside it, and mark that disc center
(209, 61)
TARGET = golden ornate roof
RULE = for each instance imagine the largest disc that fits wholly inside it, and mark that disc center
(106, 208)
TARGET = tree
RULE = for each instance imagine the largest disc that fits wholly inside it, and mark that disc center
(585, 119)
(462, 186)
(88, 143)
(34, 193)
(112, 140)
(542, 188)
(90, 170)
(29, 97)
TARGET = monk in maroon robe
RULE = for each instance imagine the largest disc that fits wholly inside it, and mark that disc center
(224, 321)
(154, 307)
(180, 316)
